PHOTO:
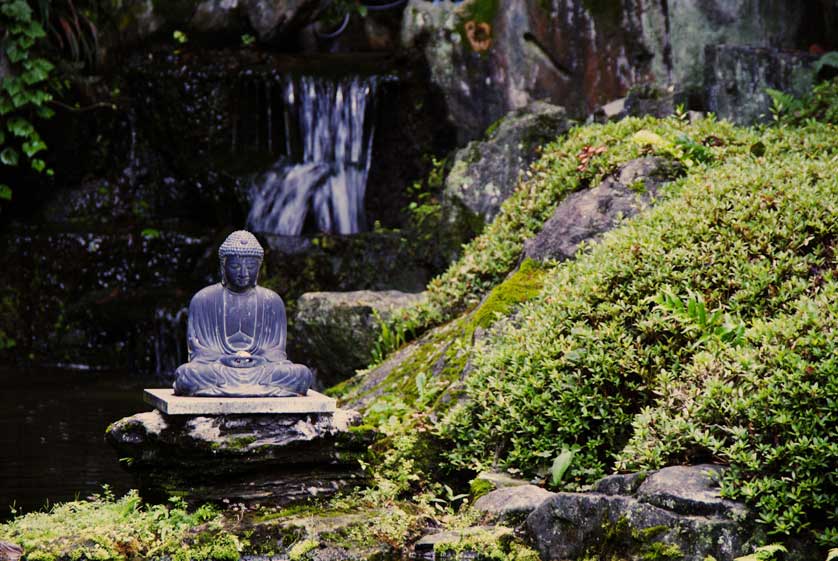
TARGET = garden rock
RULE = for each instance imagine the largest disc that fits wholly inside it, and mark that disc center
(274, 20)
(485, 173)
(511, 505)
(619, 484)
(337, 331)
(266, 459)
(672, 514)
(585, 215)
(688, 490)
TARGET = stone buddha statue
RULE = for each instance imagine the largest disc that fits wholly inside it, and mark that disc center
(236, 333)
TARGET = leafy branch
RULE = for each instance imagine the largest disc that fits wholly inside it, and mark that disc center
(23, 92)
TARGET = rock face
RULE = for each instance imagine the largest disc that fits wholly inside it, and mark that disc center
(676, 511)
(271, 21)
(585, 215)
(489, 58)
(336, 331)
(267, 459)
(485, 172)
(737, 78)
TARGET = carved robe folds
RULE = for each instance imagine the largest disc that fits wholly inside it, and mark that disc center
(236, 344)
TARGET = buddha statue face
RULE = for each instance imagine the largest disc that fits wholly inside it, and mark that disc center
(240, 272)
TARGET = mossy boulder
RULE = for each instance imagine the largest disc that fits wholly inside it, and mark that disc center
(336, 332)
(485, 172)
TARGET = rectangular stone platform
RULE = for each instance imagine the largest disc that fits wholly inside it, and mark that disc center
(170, 404)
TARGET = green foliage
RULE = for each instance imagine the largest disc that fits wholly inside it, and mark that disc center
(566, 166)
(821, 105)
(104, 528)
(827, 59)
(612, 359)
(696, 322)
(559, 467)
(486, 544)
(24, 93)
(391, 336)
(765, 553)
(766, 408)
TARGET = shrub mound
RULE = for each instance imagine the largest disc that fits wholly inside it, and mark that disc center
(701, 331)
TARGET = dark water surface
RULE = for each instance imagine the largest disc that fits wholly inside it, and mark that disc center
(52, 427)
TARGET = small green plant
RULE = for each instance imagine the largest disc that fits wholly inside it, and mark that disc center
(821, 104)
(180, 37)
(391, 336)
(764, 553)
(248, 39)
(694, 318)
(559, 467)
(448, 499)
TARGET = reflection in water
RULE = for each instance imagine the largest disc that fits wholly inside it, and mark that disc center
(52, 427)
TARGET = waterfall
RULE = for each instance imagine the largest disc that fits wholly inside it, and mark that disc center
(322, 173)
(167, 340)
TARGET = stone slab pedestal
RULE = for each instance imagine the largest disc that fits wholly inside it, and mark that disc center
(246, 450)
(165, 400)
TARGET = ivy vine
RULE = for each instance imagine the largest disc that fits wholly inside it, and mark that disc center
(24, 90)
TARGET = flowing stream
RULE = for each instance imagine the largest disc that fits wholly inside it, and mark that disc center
(321, 175)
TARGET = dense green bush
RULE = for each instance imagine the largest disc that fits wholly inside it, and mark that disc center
(605, 352)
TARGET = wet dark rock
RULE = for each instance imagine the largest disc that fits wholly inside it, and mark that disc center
(337, 331)
(366, 261)
(485, 172)
(91, 298)
(585, 215)
(266, 459)
(511, 505)
(218, 16)
(274, 20)
(576, 525)
(580, 54)
(737, 78)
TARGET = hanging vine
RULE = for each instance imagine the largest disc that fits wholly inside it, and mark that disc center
(24, 90)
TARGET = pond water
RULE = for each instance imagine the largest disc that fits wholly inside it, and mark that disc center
(52, 426)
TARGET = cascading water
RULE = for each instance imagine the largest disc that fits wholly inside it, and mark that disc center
(325, 177)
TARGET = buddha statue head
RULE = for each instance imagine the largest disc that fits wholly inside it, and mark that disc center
(241, 257)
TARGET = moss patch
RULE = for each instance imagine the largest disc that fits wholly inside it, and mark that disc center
(522, 285)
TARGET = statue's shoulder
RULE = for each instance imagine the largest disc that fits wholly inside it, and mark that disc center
(207, 294)
(268, 295)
